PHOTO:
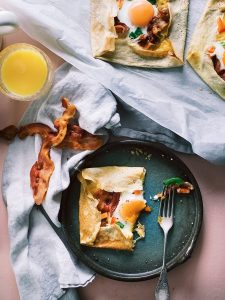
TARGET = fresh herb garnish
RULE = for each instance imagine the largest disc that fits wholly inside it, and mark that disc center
(222, 43)
(173, 180)
(121, 225)
(134, 34)
(152, 1)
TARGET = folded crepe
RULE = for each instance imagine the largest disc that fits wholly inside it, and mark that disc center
(138, 33)
(207, 49)
(111, 200)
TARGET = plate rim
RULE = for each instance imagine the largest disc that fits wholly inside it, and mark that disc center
(184, 255)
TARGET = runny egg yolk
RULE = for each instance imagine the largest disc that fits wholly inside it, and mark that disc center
(130, 210)
(140, 13)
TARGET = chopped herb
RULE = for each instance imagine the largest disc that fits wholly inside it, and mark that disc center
(138, 31)
(134, 34)
(152, 1)
(222, 43)
(121, 225)
(173, 180)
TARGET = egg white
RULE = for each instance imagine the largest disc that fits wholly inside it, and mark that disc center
(124, 197)
(123, 16)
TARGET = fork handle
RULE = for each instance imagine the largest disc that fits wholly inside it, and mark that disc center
(162, 291)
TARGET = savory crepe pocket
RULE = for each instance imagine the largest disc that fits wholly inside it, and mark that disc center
(111, 200)
(139, 32)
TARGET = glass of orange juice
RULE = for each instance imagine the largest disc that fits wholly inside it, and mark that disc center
(26, 72)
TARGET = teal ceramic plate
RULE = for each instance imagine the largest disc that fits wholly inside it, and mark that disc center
(146, 259)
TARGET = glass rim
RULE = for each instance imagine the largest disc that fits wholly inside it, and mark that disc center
(48, 82)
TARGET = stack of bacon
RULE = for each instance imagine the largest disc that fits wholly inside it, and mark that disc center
(67, 136)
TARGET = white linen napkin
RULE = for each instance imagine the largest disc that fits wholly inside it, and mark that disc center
(42, 265)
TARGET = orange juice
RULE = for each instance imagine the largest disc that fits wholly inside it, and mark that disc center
(24, 71)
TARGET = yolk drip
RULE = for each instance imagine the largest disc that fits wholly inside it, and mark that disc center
(131, 210)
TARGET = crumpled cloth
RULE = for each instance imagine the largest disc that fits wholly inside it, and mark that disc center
(177, 99)
(42, 265)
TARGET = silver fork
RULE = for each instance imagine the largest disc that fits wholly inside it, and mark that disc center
(165, 219)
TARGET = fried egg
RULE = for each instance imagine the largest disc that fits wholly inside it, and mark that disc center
(219, 52)
(128, 210)
(137, 13)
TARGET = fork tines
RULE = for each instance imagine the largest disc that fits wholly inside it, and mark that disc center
(167, 202)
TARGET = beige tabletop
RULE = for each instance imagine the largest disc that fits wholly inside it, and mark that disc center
(200, 278)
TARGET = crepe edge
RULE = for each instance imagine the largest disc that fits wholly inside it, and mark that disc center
(103, 35)
(197, 57)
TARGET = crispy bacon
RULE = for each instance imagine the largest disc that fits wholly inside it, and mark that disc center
(62, 122)
(41, 172)
(217, 67)
(76, 138)
(146, 41)
(34, 128)
(9, 133)
(66, 137)
(155, 29)
(43, 168)
(121, 28)
(79, 139)
(160, 22)
(108, 201)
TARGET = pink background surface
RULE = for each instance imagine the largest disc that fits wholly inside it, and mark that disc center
(200, 278)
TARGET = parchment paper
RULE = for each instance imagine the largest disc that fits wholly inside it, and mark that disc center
(176, 98)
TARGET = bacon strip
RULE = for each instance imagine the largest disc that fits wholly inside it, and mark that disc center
(41, 173)
(34, 128)
(121, 28)
(62, 122)
(66, 137)
(45, 131)
(76, 138)
(108, 201)
(156, 27)
(217, 67)
(79, 139)
(9, 133)
(43, 168)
